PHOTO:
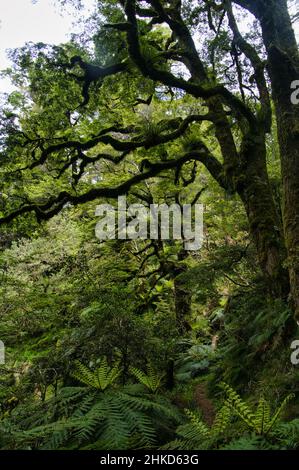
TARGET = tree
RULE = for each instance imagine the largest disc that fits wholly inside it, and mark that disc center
(283, 66)
(220, 103)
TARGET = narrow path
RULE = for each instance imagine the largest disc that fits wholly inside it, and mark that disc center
(204, 404)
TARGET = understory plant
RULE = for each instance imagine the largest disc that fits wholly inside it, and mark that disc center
(259, 428)
(100, 415)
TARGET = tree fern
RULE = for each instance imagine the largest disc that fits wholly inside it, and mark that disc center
(103, 377)
(287, 434)
(241, 408)
(109, 419)
(196, 435)
(152, 381)
(259, 421)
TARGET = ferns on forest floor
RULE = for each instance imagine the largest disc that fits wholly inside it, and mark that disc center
(197, 435)
(266, 430)
(113, 419)
(106, 416)
(261, 422)
(100, 416)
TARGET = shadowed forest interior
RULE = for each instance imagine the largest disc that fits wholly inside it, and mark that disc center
(131, 342)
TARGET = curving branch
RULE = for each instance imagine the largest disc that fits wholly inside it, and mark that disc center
(167, 78)
(55, 204)
(265, 115)
(92, 74)
(104, 137)
(250, 5)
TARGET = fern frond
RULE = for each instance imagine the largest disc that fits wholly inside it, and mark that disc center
(221, 422)
(103, 377)
(151, 380)
(288, 434)
(197, 424)
(241, 408)
(84, 375)
(260, 422)
(278, 412)
(182, 444)
(262, 416)
(253, 442)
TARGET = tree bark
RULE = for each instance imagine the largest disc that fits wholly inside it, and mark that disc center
(283, 66)
(255, 191)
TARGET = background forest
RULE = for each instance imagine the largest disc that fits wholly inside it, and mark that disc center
(140, 344)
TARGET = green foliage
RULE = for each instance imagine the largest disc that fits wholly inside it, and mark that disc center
(287, 434)
(252, 442)
(252, 333)
(152, 380)
(78, 417)
(68, 299)
(101, 378)
(260, 421)
(267, 432)
(196, 435)
(194, 361)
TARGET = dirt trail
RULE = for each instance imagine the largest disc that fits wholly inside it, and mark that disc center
(204, 404)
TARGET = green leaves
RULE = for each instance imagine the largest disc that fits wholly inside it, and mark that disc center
(194, 361)
(259, 421)
(104, 376)
(152, 380)
(196, 435)
(262, 416)
(238, 405)
(79, 418)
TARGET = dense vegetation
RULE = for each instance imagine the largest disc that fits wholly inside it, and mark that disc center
(139, 343)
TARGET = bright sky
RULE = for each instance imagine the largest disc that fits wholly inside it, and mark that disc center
(37, 21)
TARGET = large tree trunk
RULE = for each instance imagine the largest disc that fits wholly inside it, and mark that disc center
(254, 189)
(283, 66)
(247, 174)
(252, 185)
